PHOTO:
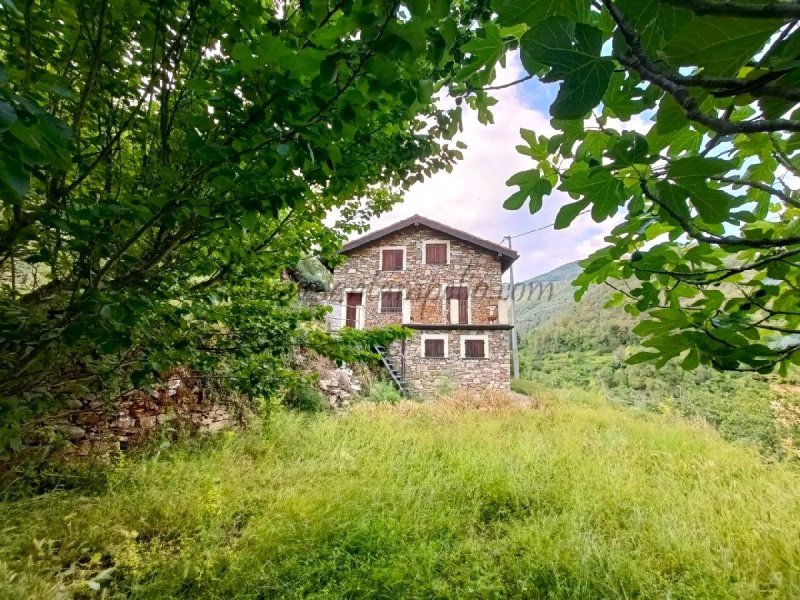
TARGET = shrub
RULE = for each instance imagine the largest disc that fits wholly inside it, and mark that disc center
(305, 398)
(444, 387)
(383, 391)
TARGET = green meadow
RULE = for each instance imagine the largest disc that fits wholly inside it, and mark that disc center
(568, 497)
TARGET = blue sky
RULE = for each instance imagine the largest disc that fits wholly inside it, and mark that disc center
(471, 197)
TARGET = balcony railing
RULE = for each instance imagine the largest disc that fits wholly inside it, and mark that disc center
(359, 315)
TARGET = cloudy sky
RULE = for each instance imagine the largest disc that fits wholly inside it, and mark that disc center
(472, 196)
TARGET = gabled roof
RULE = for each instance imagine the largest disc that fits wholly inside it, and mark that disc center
(506, 255)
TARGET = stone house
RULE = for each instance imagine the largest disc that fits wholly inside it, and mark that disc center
(445, 285)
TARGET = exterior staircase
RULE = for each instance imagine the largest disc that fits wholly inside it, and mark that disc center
(397, 375)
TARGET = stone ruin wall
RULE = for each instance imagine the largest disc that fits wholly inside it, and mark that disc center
(92, 427)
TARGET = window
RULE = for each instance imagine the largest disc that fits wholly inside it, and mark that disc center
(434, 346)
(391, 302)
(437, 253)
(393, 259)
(474, 349)
(474, 346)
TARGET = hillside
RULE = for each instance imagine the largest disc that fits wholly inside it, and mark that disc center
(544, 296)
(564, 343)
(569, 499)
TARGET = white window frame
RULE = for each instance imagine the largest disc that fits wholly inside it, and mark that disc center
(425, 250)
(380, 299)
(434, 336)
(380, 256)
(463, 343)
(444, 300)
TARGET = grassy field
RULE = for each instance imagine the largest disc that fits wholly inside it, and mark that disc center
(571, 499)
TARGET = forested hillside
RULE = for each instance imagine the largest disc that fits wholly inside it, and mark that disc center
(544, 296)
(564, 343)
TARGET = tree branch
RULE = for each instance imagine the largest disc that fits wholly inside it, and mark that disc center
(724, 273)
(775, 10)
(637, 59)
(723, 240)
(508, 85)
(760, 186)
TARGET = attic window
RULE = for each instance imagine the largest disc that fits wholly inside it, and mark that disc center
(436, 253)
(392, 259)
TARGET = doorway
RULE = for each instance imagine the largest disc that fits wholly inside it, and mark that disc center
(353, 300)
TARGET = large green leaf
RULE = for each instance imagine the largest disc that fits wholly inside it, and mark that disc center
(712, 205)
(654, 20)
(600, 187)
(7, 115)
(511, 12)
(488, 48)
(670, 116)
(531, 185)
(720, 45)
(569, 212)
(692, 173)
(698, 166)
(572, 51)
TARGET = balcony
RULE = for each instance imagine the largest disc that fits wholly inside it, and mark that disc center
(358, 316)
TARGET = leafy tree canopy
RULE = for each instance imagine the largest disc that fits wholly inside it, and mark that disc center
(710, 240)
(162, 162)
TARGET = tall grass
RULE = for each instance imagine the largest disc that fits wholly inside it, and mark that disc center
(436, 500)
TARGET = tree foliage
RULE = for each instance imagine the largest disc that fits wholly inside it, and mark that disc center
(162, 162)
(682, 116)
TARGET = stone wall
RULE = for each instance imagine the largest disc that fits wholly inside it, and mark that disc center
(429, 375)
(422, 284)
(94, 428)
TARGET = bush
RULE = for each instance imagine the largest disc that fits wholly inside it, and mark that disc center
(304, 398)
(383, 391)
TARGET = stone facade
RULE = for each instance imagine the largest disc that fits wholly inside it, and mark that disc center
(474, 266)
(423, 285)
(430, 375)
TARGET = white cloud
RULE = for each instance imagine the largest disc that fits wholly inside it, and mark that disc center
(471, 196)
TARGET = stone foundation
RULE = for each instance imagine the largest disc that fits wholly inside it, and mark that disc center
(426, 376)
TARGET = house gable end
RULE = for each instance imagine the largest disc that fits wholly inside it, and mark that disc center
(438, 231)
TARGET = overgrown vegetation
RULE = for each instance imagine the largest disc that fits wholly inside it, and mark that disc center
(683, 114)
(164, 162)
(586, 345)
(573, 499)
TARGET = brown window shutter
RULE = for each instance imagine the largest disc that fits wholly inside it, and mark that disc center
(434, 348)
(436, 254)
(391, 302)
(474, 349)
(392, 260)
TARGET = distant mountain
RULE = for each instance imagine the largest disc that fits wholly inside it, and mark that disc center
(584, 344)
(567, 272)
(541, 298)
